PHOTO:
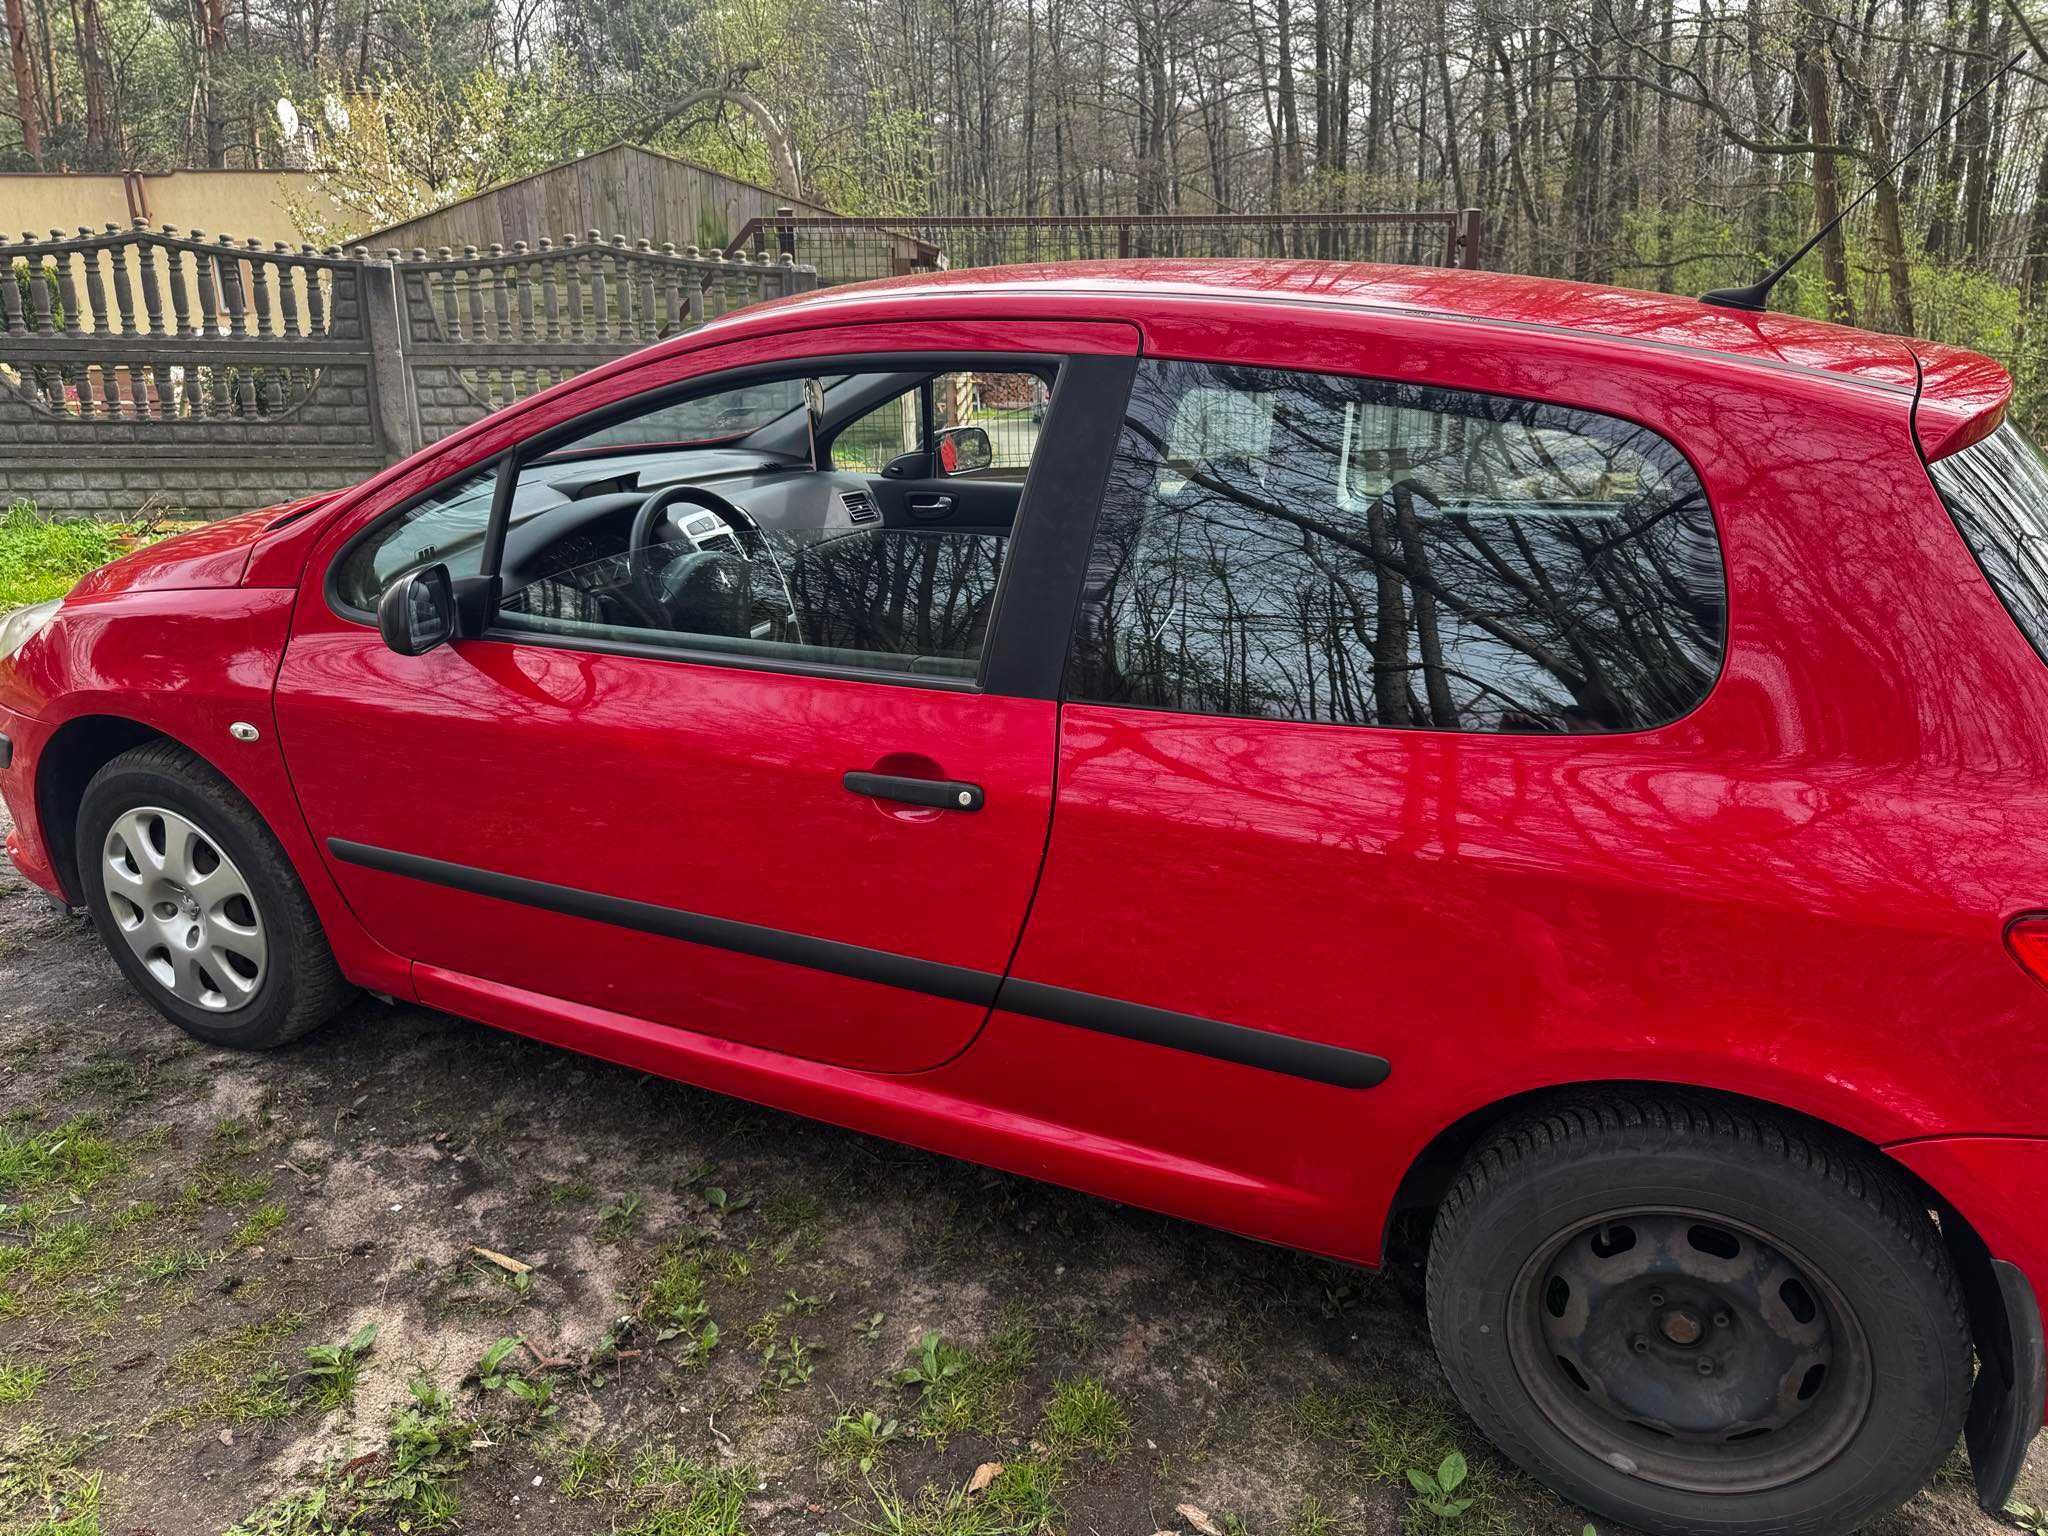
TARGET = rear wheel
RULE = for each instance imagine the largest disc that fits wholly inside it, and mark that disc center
(198, 904)
(1697, 1318)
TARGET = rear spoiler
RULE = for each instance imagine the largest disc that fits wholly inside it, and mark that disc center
(1963, 397)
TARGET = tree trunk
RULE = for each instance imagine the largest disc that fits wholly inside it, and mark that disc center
(1891, 234)
(1976, 135)
(22, 66)
(1827, 190)
(213, 44)
(92, 68)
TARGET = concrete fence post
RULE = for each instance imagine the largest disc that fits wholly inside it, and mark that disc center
(395, 408)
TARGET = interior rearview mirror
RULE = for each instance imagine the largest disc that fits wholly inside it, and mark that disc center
(962, 450)
(417, 611)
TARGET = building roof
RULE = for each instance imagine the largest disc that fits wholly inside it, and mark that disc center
(390, 233)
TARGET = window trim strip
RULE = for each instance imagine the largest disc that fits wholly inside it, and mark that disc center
(1333, 1065)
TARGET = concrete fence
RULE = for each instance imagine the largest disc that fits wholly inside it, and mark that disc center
(217, 375)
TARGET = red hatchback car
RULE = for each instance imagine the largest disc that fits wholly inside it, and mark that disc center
(1350, 755)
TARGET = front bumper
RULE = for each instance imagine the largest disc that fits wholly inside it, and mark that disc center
(26, 846)
(1999, 1185)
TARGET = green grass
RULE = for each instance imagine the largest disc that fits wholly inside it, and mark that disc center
(70, 1159)
(41, 559)
(173, 1261)
(588, 1469)
(45, 1177)
(662, 1492)
(857, 1441)
(1026, 1494)
(107, 1074)
(676, 1307)
(234, 1377)
(1385, 1432)
(220, 1179)
(1083, 1416)
(942, 1512)
(411, 1487)
(616, 1222)
(975, 1395)
(261, 1222)
(19, 1381)
(333, 1370)
(43, 1490)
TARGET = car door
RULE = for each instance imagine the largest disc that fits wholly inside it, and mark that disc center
(902, 445)
(1367, 679)
(705, 827)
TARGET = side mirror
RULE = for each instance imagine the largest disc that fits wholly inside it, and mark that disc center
(916, 465)
(417, 611)
(962, 450)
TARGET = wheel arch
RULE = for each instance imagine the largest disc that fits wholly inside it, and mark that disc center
(1432, 1170)
(76, 750)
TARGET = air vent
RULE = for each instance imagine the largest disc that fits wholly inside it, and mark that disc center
(860, 507)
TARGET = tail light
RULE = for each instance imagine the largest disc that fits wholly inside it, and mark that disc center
(2027, 938)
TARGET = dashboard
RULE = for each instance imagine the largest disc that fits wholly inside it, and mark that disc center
(571, 514)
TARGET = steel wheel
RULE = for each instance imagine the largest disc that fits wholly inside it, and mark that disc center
(1689, 1350)
(185, 910)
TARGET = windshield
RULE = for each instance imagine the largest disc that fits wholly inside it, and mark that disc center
(1997, 492)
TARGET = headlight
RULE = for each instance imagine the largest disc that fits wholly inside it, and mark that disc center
(22, 625)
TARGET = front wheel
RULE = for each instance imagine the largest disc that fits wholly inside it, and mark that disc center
(198, 904)
(1696, 1318)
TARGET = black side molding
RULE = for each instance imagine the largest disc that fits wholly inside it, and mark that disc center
(906, 971)
(1309, 1059)
(6, 751)
(1312, 1059)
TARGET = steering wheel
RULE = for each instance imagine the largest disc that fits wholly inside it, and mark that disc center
(705, 591)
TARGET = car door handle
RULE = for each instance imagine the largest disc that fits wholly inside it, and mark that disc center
(929, 506)
(941, 794)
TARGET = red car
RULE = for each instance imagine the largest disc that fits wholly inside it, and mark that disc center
(1544, 775)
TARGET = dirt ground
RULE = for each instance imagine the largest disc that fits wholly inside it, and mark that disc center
(721, 1305)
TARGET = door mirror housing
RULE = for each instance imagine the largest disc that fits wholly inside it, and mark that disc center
(417, 611)
(915, 465)
(962, 450)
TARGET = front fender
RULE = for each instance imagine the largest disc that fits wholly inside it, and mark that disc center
(186, 665)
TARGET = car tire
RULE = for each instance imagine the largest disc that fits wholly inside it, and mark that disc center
(198, 904)
(1696, 1317)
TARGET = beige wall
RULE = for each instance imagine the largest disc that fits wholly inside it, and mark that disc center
(258, 205)
(249, 205)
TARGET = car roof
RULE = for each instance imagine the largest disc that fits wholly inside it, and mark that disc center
(1966, 393)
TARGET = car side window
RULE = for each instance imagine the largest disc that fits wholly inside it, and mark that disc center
(1009, 406)
(703, 527)
(1297, 546)
(447, 527)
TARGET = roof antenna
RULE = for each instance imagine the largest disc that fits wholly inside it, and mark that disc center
(1757, 295)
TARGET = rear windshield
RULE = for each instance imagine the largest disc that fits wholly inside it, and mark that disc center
(1997, 492)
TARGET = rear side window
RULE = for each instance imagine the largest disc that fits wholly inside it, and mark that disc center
(1997, 492)
(1295, 546)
